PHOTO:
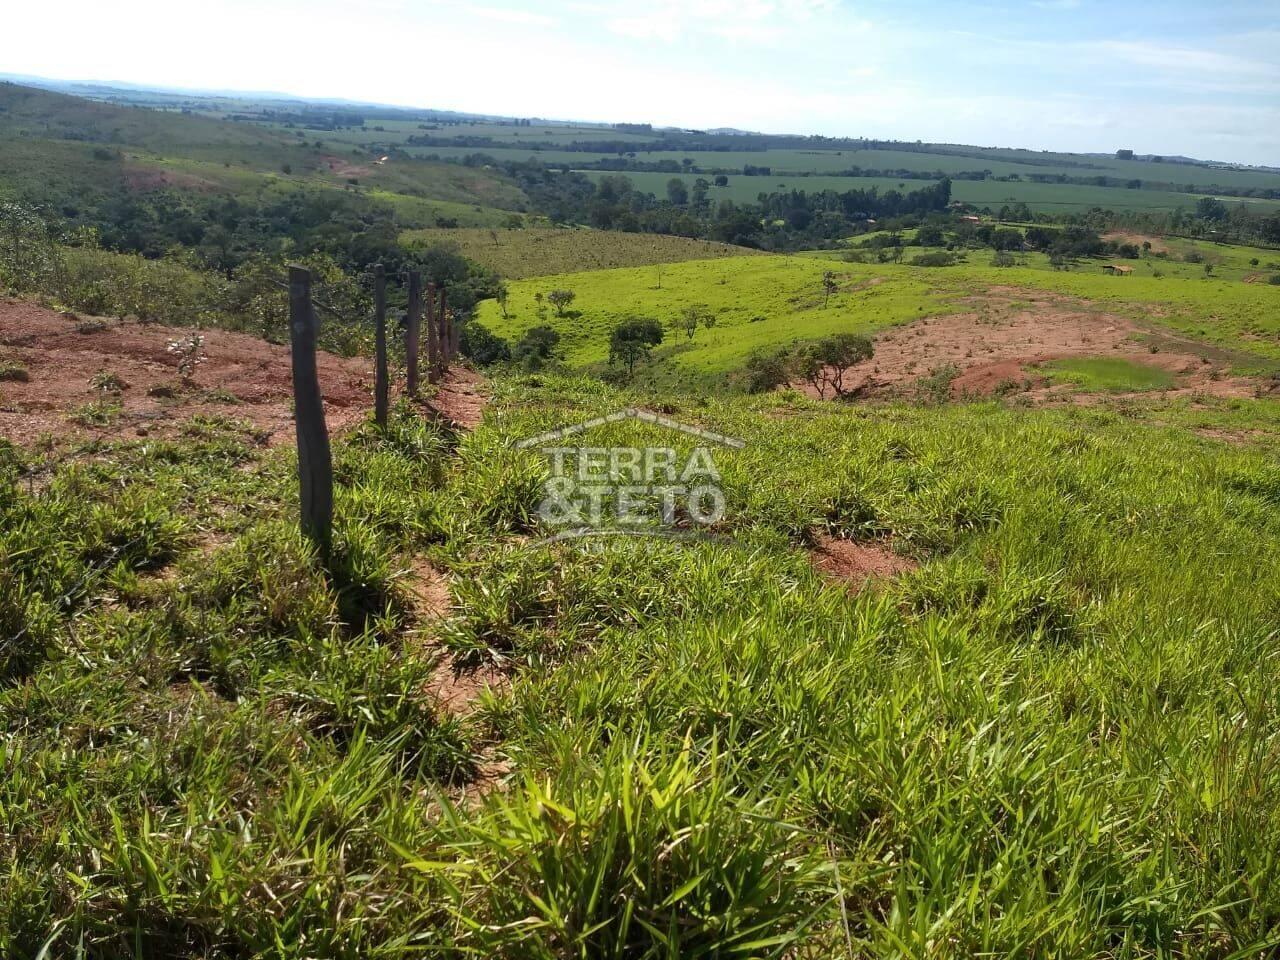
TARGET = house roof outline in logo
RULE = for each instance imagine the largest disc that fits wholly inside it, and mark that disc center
(631, 413)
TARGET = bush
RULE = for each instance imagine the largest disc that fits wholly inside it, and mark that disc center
(939, 258)
(766, 371)
(536, 347)
(482, 345)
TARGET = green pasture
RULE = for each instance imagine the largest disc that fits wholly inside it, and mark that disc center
(1052, 736)
(1113, 374)
(757, 303)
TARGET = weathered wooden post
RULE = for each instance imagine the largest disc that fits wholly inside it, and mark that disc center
(442, 333)
(455, 333)
(315, 465)
(382, 387)
(412, 330)
(433, 336)
(446, 329)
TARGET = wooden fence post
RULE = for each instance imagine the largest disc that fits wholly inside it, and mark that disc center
(382, 387)
(455, 331)
(442, 346)
(315, 465)
(412, 330)
(433, 336)
(446, 329)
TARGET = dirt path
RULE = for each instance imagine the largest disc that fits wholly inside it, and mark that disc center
(459, 397)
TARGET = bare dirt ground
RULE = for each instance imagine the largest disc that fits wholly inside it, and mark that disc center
(459, 397)
(53, 360)
(997, 344)
(243, 378)
(856, 564)
(342, 168)
(1137, 239)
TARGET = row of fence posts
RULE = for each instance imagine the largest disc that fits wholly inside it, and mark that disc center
(315, 461)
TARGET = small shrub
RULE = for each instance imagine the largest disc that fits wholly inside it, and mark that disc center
(13, 372)
(108, 382)
(937, 258)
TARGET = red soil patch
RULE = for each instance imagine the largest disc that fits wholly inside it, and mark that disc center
(243, 378)
(458, 397)
(1137, 239)
(998, 344)
(856, 564)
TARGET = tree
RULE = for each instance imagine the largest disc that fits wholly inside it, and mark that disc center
(632, 340)
(536, 347)
(829, 286)
(766, 371)
(1124, 154)
(677, 192)
(502, 296)
(930, 235)
(823, 363)
(689, 319)
(560, 299)
(482, 345)
(1211, 208)
(721, 180)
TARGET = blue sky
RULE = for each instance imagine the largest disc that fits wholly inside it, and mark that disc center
(1196, 78)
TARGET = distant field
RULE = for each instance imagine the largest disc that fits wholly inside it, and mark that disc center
(58, 146)
(769, 302)
(999, 163)
(537, 252)
(1046, 197)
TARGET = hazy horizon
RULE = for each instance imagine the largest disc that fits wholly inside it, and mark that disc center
(1061, 75)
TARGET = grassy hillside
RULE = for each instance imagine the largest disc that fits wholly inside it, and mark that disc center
(1053, 737)
(54, 146)
(776, 301)
(517, 254)
(756, 302)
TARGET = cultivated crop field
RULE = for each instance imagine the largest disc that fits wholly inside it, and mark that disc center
(533, 252)
(1046, 197)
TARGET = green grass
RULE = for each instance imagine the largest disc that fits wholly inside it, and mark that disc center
(758, 302)
(1055, 737)
(533, 252)
(1107, 374)
(770, 302)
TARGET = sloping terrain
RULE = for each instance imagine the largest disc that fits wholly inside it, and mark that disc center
(536, 252)
(72, 375)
